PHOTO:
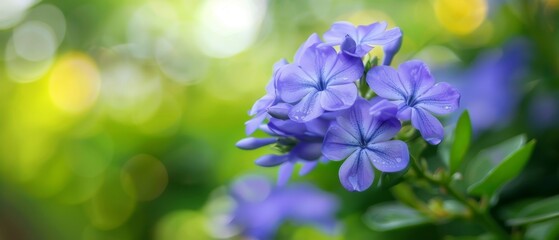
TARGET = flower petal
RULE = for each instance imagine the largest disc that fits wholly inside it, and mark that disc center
(416, 77)
(307, 109)
(285, 172)
(338, 97)
(430, 128)
(375, 37)
(252, 125)
(316, 60)
(390, 49)
(308, 150)
(280, 111)
(261, 104)
(389, 156)
(312, 40)
(356, 173)
(307, 167)
(342, 69)
(382, 108)
(271, 160)
(384, 80)
(337, 33)
(366, 32)
(254, 143)
(382, 129)
(293, 83)
(440, 99)
(339, 143)
(348, 45)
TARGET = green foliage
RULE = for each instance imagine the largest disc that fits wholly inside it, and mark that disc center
(393, 216)
(535, 212)
(506, 161)
(462, 138)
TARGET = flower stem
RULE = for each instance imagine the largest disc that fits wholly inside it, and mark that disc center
(479, 213)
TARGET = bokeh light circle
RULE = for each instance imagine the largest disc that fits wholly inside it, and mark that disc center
(35, 41)
(144, 177)
(74, 82)
(13, 11)
(461, 16)
(227, 27)
(51, 16)
(111, 206)
(22, 70)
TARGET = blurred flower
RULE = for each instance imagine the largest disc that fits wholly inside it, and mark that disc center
(261, 208)
(362, 139)
(363, 38)
(546, 107)
(489, 88)
(414, 90)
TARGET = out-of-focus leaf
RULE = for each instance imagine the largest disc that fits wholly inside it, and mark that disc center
(388, 180)
(489, 158)
(539, 211)
(454, 207)
(416, 147)
(548, 230)
(503, 172)
(403, 192)
(392, 216)
(461, 143)
(480, 237)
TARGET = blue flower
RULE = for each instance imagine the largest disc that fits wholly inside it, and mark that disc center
(261, 208)
(319, 80)
(414, 90)
(300, 142)
(260, 107)
(360, 40)
(363, 138)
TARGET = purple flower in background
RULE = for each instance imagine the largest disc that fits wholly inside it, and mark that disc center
(490, 88)
(414, 90)
(360, 40)
(319, 80)
(362, 139)
(260, 108)
(261, 208)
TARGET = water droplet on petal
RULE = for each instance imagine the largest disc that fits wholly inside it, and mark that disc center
(447, 107)
(398, 160)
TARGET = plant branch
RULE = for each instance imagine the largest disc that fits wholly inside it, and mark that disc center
(479, 213)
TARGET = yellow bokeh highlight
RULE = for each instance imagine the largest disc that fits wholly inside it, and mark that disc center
(460, 17)
(74, 82)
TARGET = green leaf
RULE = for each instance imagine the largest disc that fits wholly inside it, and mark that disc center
(416, 147)
(462, 137)
(392, 216)
(504, 170)
(535, 212)
(548, 230)
(489, 158)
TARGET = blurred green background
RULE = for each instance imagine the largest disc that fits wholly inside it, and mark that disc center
(118, 119)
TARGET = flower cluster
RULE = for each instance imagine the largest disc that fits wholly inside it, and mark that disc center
(341, 105)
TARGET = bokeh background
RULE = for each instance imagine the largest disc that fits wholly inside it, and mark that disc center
(118, 119)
